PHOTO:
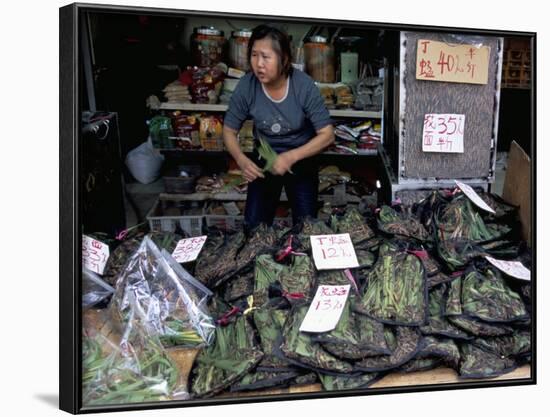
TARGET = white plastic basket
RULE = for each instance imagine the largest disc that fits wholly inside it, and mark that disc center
(191, 225)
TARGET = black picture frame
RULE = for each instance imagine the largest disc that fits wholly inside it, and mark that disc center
(70, 321)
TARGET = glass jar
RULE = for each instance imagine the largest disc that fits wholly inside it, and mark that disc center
(207, 46)
(319, 59)
(238, 49)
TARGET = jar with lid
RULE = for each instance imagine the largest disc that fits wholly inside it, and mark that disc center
(207, 46)
(238, 48)
(319, 59)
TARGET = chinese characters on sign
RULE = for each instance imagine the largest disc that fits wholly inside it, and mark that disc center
(443, 133)
(187, 250)
(474, 198)
(94, 254)
(333, 251)
(439, 61)
(325, 309)
(512, 268)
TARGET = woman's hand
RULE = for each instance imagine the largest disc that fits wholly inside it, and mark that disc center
(249, 169)
(283, 163)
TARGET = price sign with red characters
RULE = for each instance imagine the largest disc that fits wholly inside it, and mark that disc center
(187, 250)
(443, 133)
(440, 61)
(513, 268)
(333, 251)
(325, 309)
(94, 254)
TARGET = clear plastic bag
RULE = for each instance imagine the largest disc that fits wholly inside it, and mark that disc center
(94, 289)
(137, 370)
(169, 302)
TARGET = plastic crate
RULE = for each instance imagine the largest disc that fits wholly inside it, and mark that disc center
(224, 222)
(190, 225)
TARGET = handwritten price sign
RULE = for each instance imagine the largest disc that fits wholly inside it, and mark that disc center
(443, 133)
(333, 251)
(513, 268)
(325, 309)
(474, 198)
(94, 254)
(187, 250)
(439, 61)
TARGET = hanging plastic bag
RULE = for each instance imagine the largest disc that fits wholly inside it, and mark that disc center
(144, 162)
(94, 289)
(170, 303)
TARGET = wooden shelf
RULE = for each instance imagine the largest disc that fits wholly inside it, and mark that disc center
(194, 107)
(223, 108)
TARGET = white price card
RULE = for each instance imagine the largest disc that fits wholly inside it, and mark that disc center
(94, 254)
(443, 133)
(472, 195)
(325, 309)
(187, 250)
(513, 268)
(333, 251)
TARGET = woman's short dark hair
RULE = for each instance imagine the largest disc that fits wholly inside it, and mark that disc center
(280, 42)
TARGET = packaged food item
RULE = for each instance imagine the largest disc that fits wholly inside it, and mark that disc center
(186, 130)
(210, 133)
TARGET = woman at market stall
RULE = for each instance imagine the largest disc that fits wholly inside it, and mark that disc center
(289, 113)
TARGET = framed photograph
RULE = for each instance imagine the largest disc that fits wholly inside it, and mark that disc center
(263, 208)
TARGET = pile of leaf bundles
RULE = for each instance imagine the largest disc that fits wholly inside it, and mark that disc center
(209, 255)
(515, 345)
(232, 355)
(336, 383)
(473, 326)
(438, 324)
(479, 363)
(119, 257)
(365, 258)
(312, 227)
(431, 266)
(261, 240)
(299, 277)
(266, 273)
(401, 224)
(440, 351)
(299, 348)
(272, 370)
(457, 253)
(439, 279)
(460, 219)
(352, 222)
(136, 371)
(396, 290)
(408, 342)
(504, 212)
(269, 323)
(354, 337)
(215, 269)
(486, 295)
(167, 300)
(332, 277)
(239, 287)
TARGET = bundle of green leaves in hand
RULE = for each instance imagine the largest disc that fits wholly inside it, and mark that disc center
(266, 152)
